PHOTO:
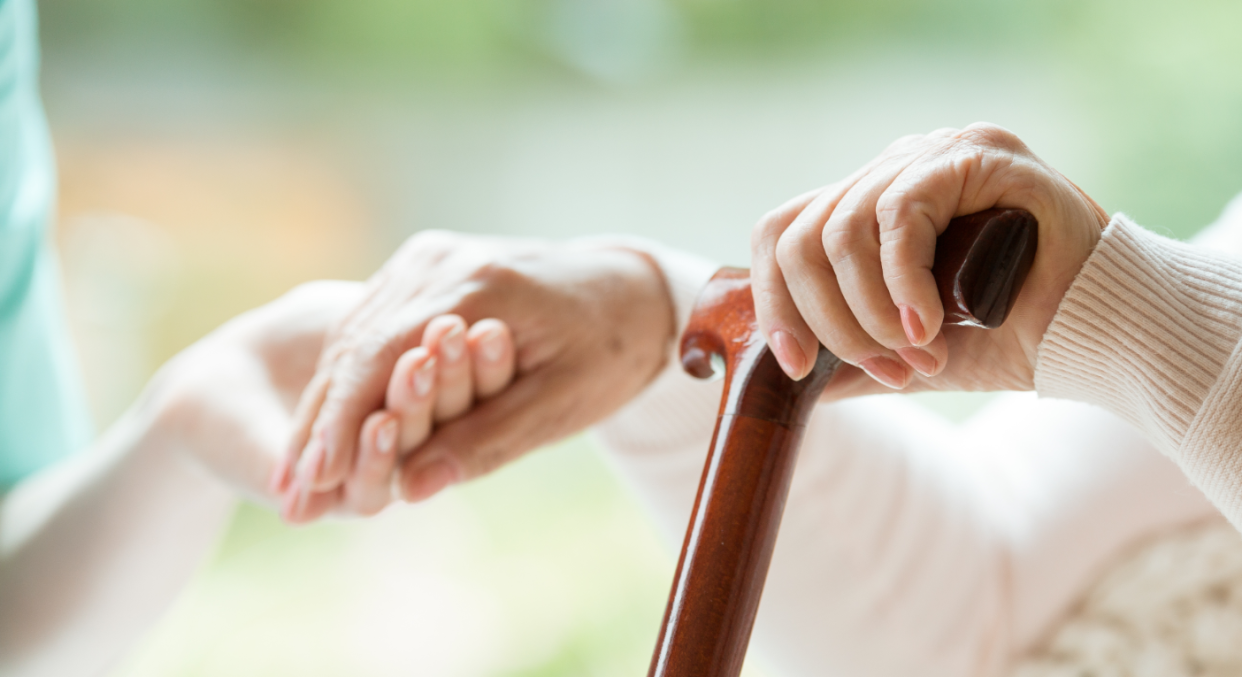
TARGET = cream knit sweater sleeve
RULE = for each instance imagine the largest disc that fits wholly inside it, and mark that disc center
(1150, 330)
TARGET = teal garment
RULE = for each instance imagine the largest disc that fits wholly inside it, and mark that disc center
(43, 414)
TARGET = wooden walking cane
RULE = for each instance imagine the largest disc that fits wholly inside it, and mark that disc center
(981, 263)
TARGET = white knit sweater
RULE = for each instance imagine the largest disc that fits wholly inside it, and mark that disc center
(913, 546)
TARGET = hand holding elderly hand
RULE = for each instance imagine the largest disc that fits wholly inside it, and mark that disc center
(590, 327)
(849, 265)
(430, 385)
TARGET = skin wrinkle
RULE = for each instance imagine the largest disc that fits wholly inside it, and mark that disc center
(882, 327)
(830, 333)
(921, 207)
(484, 272)
(771, 280)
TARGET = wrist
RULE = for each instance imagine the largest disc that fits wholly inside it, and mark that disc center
(158, 412)
(682, 275)
(640, 291)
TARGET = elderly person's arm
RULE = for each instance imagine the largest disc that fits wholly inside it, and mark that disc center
(1111, 314)
(911, 545)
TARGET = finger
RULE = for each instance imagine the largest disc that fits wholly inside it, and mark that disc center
(789, 337)
(412, 395)
(445, 337)
(492, 434)
(359, 382)
(369, 487)
(308, 470)
(851, 240)
(918, 206)
(929, 359)
(817, 296)
(303, 418)
(492, 355)
(301, 507)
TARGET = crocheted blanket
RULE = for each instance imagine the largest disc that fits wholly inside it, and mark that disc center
(1172, 609)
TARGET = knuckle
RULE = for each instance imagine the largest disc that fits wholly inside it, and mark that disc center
(368, 355)
(769, 227)
(494, 273)
(988, 135)
(487, 286)
(799, 245)
(788, 253)
(903, 220)
(897, 260)
(840, 244)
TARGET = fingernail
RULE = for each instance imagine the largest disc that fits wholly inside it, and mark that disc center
(425, 377)
(386, 437)
(921, 360)
(453, 345)
(788, 354)
(492, 345)
(885, 371)
(913, 325)
(431, 479)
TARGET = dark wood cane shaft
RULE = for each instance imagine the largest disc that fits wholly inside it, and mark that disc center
(981, 262)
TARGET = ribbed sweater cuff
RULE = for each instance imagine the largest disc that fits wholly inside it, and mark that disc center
(1146, 331)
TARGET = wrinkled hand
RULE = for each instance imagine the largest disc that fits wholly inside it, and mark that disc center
(849, 265)
(590, 326)
(431, 384)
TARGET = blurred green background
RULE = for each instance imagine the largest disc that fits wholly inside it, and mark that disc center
(214, 153)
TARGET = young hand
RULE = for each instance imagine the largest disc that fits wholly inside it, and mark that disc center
(228, 400)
